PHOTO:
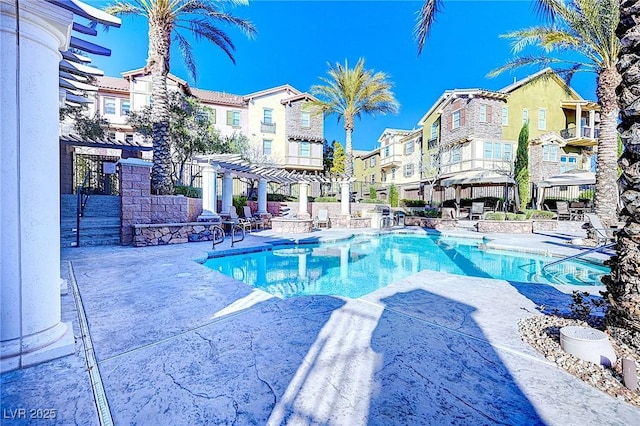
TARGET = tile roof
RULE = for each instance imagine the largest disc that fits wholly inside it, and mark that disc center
(218, 97)
(113, 83)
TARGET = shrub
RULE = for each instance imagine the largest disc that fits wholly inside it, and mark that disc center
(539, 214)
(239, 203)
(393, 196)
(586, 195)
(372, 193)
(510, 216)
(279, 197)
(373, 201)
(187, 191)
(494, 216)
(521, 216)
(413, 203)
(326, 200)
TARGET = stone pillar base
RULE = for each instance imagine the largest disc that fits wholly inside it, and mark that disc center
(343, 220)
(208, 216)
(63, 346)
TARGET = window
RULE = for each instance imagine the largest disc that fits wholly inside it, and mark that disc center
(505, 116)
(202, 115)
(268, 116)
(542, 119)
(408, 148)
(387, 151)
(233, 118)
(373, 178)
(456, 154)
(434, 131)
(125, 106)
(393, 173)
(305, 149)
(408, 170)
(525, 116)
(550, 153)
(306, 119)
(109, 105)
(568, 163)
(266, 147)
(497, 151)
(434, 160)
(372, 162)
(506, 151)
(456, 120)
(383, 176)
(483, 113)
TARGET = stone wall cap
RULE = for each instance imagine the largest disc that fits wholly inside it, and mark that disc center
(135, 162)
(162, 225)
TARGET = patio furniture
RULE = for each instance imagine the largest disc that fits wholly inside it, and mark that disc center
(578, 210)
(477, 210)
(322, 219)
(234, 219)
(256, 221)
(602, 234)
(562, 210)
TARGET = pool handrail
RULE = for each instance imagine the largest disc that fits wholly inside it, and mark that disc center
(216, 230)
(575, 256)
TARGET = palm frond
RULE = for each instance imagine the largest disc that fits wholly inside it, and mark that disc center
(122, 8)
(424, 20)
(187, 54)
(201, 28)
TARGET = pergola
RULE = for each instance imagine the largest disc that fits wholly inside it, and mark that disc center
(233, 165)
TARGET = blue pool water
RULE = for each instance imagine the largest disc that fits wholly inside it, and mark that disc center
(359, 266)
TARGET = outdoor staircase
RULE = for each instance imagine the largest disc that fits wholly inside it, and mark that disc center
(100, 224)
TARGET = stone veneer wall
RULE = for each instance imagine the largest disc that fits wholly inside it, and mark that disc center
(171, 233)
(430, 222)
(194, 209)
(291, 226)
(505, 226)
(135, 186)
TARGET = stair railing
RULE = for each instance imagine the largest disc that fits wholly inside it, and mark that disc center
(83, 196)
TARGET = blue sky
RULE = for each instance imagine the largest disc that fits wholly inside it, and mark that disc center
(296, 40)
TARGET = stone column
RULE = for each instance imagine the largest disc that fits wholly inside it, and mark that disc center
(303, 201)
(227, 194)
(31, 330)
(135, 196)
(345, 198)
(209, 194)
(262, 196)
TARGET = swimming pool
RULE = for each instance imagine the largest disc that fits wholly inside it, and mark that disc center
(361, 265)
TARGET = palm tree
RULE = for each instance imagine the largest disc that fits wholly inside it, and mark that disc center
(623, 285)
(588, 28)
(165, 18)
(349, 92)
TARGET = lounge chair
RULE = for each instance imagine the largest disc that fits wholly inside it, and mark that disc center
(322, 219)
(256, 221)
(602, 234)
(236, 220)
(477, 210)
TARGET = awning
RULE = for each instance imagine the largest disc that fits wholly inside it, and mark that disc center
(570, 178)
(476, 177)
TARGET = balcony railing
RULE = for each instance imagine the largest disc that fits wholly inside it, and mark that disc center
(267, 127)
(432, 143)
(585, 132)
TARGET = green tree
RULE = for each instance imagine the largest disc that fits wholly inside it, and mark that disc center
(190, 133)
(586, 27)
(165, 18)
(350, 92)
(86, 127)
(327, 156)
(372, 192)
(393, 196)
(337, 166)
(521, 168)
(623, 284)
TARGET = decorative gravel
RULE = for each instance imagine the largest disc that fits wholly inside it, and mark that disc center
(543, 333)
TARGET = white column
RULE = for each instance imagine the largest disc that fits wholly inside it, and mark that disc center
(30, 326)
(227, 194)
(345, 198)
(303, 200)
(578, 121)
(262, 196)
(592, 124)
(209, 194)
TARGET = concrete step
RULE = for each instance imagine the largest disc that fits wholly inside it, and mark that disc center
(90, 222)
(91, 241)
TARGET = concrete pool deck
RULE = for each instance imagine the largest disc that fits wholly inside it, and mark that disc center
(177, 343)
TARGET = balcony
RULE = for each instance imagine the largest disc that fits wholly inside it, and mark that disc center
(432, 143)
(585, 133)
(391, 161)
(267, 127)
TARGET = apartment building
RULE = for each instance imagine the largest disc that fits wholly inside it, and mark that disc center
(281, 127)
(366, 170)
(476, 130)
(284, 130)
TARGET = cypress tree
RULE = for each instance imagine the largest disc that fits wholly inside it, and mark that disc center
(521, 170)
